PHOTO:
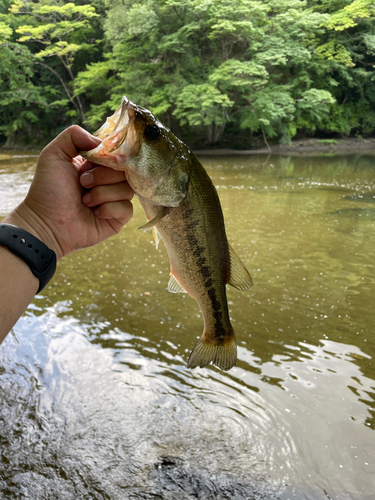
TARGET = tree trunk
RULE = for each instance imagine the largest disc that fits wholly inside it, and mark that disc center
(264, 137)
(78, 106)
(69, 95)
(210, 133)
(77, 98)
(219, 130)
(215, 133)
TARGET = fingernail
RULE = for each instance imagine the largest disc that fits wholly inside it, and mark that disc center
(87, 179)
(86, 198)
(96, 139)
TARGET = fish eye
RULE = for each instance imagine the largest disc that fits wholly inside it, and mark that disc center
(152, 133)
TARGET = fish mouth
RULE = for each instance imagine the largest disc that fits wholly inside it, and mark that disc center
(113, 133)
(118, 122)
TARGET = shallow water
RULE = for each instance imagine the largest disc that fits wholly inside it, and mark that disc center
(95, 398)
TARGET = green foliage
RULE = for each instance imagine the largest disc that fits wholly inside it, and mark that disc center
(335, 51)
(241, 76)
(350, 15)
(20, 99)
(5, 32)
(328, 141)
(214, 70)
(202, 105)
(313, 109)
(39, 45)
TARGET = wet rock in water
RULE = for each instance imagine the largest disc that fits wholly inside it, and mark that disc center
(174, 477)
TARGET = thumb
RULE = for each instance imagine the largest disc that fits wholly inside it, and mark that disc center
(71, 140)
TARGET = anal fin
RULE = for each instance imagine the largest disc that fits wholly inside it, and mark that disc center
(174, 286)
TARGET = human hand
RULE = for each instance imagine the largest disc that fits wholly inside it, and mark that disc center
(59, 211)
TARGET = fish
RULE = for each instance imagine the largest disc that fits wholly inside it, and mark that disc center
(183, 210)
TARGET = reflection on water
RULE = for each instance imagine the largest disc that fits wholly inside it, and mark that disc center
(95, 398)
(16, 173)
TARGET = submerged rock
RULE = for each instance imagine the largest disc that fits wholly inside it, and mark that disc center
(175, 477)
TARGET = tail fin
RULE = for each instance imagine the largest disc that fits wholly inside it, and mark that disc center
(222, 355)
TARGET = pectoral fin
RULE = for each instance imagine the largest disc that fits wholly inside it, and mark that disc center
(150, 224)
(156, 236)
(239, 276)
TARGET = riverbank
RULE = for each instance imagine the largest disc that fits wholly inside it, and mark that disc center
(304, 146)
(301, 146)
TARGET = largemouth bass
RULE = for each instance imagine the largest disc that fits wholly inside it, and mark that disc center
(183, 210)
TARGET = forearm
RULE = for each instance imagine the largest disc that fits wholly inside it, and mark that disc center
(60, 214)
(18, 285)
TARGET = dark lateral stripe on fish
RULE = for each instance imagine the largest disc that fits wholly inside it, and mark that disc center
(220, 331)
(197, 252)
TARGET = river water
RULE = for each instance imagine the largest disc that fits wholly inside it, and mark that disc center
(96, 401)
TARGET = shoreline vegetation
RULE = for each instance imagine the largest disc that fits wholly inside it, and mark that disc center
(301, 146)
(244, 73)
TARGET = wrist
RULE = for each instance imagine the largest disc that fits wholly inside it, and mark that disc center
(40, 259)
(25, 218)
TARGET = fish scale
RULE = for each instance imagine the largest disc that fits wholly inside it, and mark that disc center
(183, 209)
(189, 234)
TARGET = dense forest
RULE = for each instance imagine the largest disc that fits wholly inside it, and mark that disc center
(232, 73)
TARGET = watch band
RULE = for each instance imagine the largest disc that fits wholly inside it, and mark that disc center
(40, 258)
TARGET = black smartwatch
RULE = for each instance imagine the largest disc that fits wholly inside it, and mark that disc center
(40, 258)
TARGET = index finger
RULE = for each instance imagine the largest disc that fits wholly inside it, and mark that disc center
(101, 176)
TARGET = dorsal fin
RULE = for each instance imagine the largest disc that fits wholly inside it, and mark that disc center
(239, 276)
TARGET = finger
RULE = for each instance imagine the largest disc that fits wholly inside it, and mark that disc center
(119, 210)
(106, 194)
(83, 166)
(79, 160)
(70, 141)
(99, 176)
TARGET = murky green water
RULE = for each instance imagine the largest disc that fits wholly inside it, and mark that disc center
(95, 398)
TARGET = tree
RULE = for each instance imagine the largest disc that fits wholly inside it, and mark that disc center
(349, 45)
(21, 101)
(55, 28)
(210, 63)
(216, 71)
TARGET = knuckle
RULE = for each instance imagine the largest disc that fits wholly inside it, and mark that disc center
(73, 129)
(130, 192)
(105, 210)
(126, 210)
(98, 195)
